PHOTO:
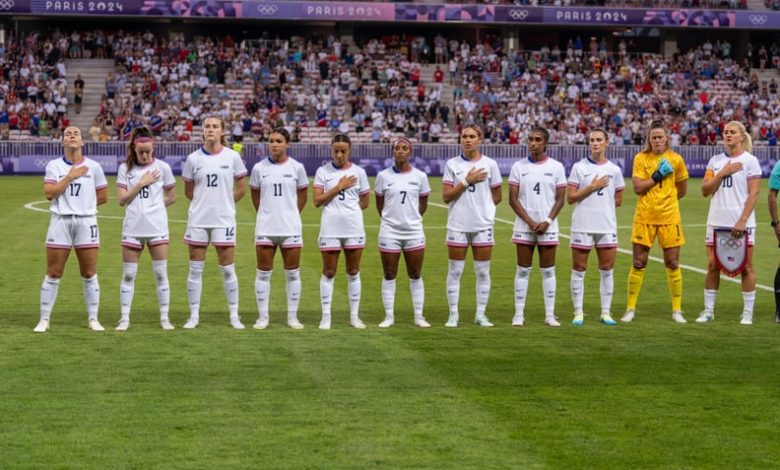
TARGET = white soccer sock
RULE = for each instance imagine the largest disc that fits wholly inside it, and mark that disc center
(388, 296)
(354, 288)
(454, 273)
(748, 300)
(293, 285)
(709, 299)
(521, 288)
(548, 286)
(482, 272)
(417, 288)
(92, 296)
(194, 286)
(230, 284)
(326, 294)
(606, 288)
(160, 268)
(127, 289)
(262, 292)
(577, 289)
(49, 289)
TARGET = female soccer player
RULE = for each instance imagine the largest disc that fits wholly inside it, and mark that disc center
(341, 189)
(472, 189)
(660, 179)
(145, 187)
(595, 189)
(401, 200)
(214, 181)
(279, 190)
(733, 179)
(75, 185)
(537, 187)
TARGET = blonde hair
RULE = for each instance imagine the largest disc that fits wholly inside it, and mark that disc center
(653, 126)
(223, 138)
(747, 141)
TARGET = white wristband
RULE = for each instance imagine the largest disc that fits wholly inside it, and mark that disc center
(548, 220)
(464, 182)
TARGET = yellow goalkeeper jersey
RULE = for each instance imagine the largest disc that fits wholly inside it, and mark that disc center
(659, 205)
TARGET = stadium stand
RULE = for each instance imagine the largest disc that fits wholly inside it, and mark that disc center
(423, 88)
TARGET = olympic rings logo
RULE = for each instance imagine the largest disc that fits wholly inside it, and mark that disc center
(265, 9)
(518, 14)
(6, 4)
(732, 243)
(758, 19)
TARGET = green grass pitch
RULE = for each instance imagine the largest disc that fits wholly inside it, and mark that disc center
(645, 395)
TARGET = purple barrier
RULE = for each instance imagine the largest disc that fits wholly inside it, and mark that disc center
(391, 11)
(31, 158)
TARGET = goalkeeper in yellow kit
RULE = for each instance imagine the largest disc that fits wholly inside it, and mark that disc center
(660, 179)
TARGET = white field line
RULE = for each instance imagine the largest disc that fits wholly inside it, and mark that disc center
(630, 253)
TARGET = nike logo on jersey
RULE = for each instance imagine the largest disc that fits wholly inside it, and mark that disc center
(390, 184)
(459, 172)
(328, 180)
(524, 174)
(587, 174)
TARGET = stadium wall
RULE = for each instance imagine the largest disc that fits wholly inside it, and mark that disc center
(26, 158)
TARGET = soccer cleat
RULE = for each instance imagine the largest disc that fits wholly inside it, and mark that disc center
(422, 323)
(260, 324)
(235, 322)
(628, 317)
(705, 316)
(123, 325)
(95, 325)
(357, 323)
(747, 318)
(42, 326)
(325, 323)
(606, 318)
(191, 323)
(166, 324)
(518, 320)
(777, 317)
(482, 320)
(387, 323)
(579, 318)
(452, 321)
(551, 321)
(294, 324)
(678, 317)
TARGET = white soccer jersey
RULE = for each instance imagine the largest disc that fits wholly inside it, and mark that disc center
(729, 200)
(278, 184)
(537, 183)
(145, 215)
(80, 197)
(214, 177)
(401, 217)
(595, 213)
(474, 210)
(342, 216)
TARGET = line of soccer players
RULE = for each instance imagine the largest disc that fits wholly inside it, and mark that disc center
(214, 181)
